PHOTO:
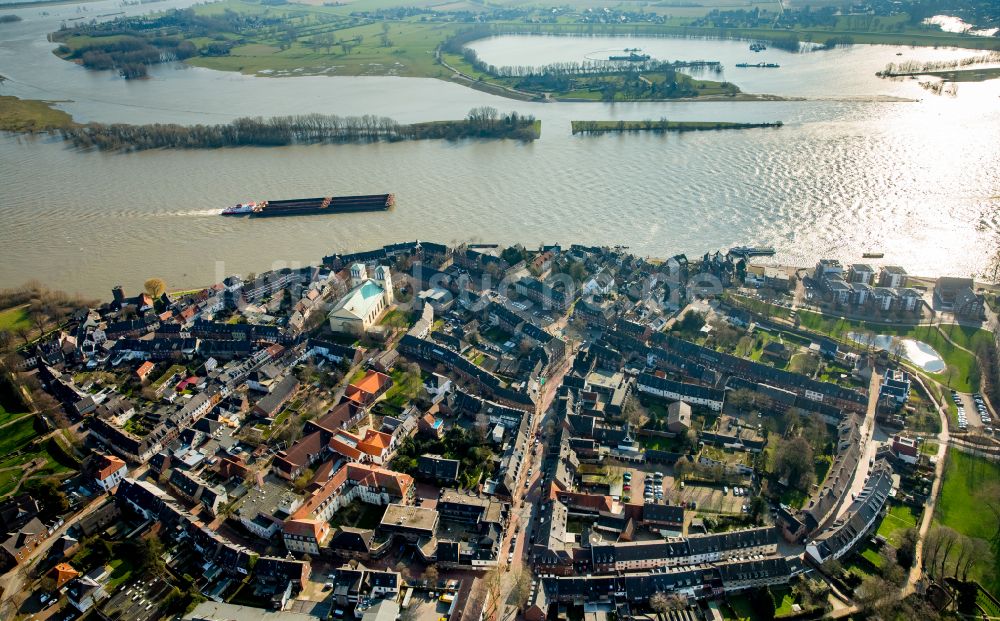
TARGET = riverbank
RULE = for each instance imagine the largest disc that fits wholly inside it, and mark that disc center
(34, 116)
(604, 127)
(345, 40)
(31, 116)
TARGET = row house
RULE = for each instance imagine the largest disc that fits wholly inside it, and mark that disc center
(862, 516)
(678, 391)
(645, 555)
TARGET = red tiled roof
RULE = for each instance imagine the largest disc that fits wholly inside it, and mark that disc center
(372, 383)
(375, 442)
(346, 443)
(107, 465)
(63, 573)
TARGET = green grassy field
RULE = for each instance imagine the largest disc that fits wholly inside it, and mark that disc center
(899, 518)
(963, 370)
(17, 317)
(28, 115)
(959, 508)
(16, 435)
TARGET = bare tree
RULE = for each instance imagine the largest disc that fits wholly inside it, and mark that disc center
(522, 587)
(979, 553)
(666, 602)
(431, 574)
(952, 539)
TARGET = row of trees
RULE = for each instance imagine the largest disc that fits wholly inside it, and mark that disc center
(911, 67)
(289, 130)
(131, 44)
(587, 67)
(948, 553)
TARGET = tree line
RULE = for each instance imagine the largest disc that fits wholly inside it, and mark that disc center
(588, 67)
(911, 67)
(301, 129)
(131, 44)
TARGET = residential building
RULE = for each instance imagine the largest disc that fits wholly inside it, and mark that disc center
(861, 518)
(108, 471)
(861, 273)
(892, 276)
(679, 391)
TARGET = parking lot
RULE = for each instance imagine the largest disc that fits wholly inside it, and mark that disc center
(712, 499)
(707, 498)
(424, 608)
(973, 413)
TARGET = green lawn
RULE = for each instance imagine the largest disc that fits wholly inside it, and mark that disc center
(16, 435)
(17, 317)
(406, 386)
(8, 480)
(27, 115)
(871, 555)
(959, 508)
(899, 518)
(396, 319)
(121, 571)
(759, 307)
(963, 370)
(783, 601)
(741, 609)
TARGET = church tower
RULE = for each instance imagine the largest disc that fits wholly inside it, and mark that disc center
(358, 274)
(384, 280)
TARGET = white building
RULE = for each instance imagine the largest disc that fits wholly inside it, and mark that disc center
(109, 472)
(365, 303)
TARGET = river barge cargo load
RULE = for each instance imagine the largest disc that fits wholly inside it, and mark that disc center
(752, 251)
(314, 206)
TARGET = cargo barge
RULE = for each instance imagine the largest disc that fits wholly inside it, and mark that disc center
(632, 57)
(312, 206)
(752, 251)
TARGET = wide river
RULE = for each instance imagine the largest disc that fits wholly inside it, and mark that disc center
(852, 170)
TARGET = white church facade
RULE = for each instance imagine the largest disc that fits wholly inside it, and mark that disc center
(365, 303)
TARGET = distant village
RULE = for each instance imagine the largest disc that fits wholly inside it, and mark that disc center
(472, 432)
